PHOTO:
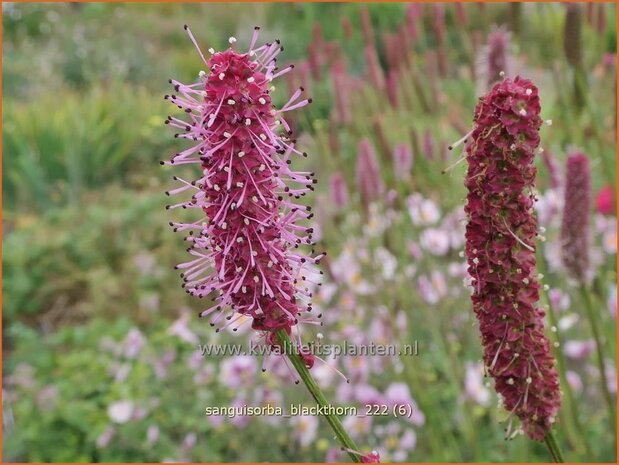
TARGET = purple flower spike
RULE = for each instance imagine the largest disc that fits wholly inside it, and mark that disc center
(244, 248)
(369, 181)
(500, 248)
(577, 209)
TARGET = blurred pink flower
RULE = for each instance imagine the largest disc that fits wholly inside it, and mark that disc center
(434, 240)
(239, 371)
(105, 437)
(574, 380)
(432, 289)
(474, 384)
(423, 212)
(357, 426)
(612, 301)
(399, 394)
(121, 411)
(305, 428)
(133, 343)
(181, 329)
(559, 300)
(152, 434)
(579, 350)
(47, 397)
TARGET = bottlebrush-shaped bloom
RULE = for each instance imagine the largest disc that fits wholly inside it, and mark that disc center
(576, 211)
(402, 160)
(245, 248)
(496, 57)
(339, 191)
(500, 250)
(369, 180)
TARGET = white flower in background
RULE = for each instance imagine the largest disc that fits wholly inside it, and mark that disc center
(423, 212)
(609, 241)
(239, 371)
(436, 241)
(579, 349)
(474, 384)
(305, 428)
(552, 252)
(458, 270)
(377, 222)
(432, 289)
(568, 321)
(357, 426)
(548, 206)
(347, 270)
(120, 412)
(388, 262)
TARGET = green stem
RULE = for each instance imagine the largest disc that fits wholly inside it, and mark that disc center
(319, 397)
(553, 447)
(576, 438)
(591, 315)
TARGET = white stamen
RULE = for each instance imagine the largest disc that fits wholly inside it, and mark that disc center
(548, 122)
(256, 279)
(262, 101)
(227, 135)
(528, 92)
(247, 121)
(231, 102)
(241, 154)
(211, 51)
(232, 40)
(250, 79)
(263, 137)
(523, 112)
(202, 74)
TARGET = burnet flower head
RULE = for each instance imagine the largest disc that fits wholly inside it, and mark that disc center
(500, 249)
(246, 244)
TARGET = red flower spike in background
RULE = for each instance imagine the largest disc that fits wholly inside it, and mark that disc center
(500, 249)
(245, 248)
(576, 212)
(605, 200)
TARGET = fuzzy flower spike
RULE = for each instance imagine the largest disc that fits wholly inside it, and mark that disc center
(246, 247)
(500, 248)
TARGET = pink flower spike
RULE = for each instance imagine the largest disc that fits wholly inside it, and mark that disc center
(245, 246)
(500, 248)
(576, 214)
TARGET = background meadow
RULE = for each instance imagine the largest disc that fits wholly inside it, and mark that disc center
(100, 343)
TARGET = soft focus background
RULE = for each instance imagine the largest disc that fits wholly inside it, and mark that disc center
(100, 359)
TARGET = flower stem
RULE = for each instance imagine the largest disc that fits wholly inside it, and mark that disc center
(573, 426)
(591, 315)
(553, 447)
(318, 395)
